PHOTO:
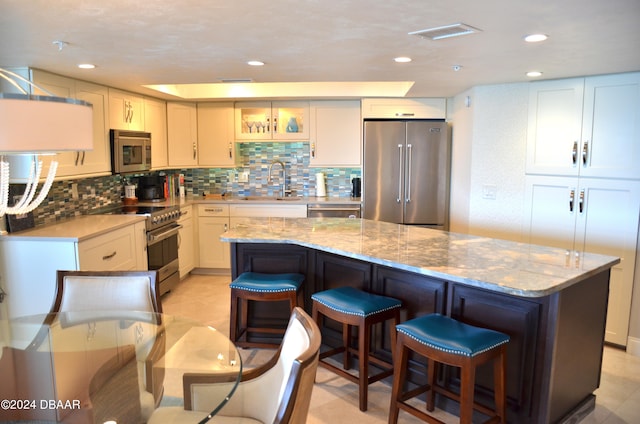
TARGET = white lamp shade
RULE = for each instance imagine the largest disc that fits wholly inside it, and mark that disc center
(44, 124)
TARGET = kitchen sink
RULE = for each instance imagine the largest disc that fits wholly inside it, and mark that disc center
(270, 198)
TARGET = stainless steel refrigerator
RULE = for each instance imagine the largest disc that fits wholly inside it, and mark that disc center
(406, 173)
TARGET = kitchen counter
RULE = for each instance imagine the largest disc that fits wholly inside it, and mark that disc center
(498, 265)
(551, 302)
(193, 200)
(76, 229)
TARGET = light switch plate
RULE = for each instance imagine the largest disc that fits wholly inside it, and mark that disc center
(489, 191)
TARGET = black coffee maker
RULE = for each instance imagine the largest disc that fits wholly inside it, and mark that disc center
(356, 187)
(151, 188)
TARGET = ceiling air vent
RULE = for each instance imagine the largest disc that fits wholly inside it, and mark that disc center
(235, 80)
(446, 31)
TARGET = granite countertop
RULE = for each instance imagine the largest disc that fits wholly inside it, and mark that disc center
(193, 200)
(503, 266)
(76, 229)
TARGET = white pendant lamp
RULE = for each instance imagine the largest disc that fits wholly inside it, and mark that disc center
(37, 125)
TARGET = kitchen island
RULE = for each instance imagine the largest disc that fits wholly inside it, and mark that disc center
(551, 302)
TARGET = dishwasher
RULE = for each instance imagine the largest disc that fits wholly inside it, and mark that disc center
(333, 210)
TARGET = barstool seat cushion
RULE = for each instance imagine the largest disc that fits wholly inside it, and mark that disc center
(350, 301)
(267, 283)
(451, 336)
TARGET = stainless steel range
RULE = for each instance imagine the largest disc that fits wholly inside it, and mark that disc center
(162, 240)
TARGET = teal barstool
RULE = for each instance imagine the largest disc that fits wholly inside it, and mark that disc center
(350, 307)
(446, 341)
(261, 287)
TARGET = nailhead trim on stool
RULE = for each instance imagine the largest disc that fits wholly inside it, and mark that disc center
(261, 287)
(353, 307)
(444, 340)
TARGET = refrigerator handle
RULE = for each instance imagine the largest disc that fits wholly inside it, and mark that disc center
(409, 160)
(400, 158)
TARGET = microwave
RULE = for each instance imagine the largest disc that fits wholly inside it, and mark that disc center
(130, 151)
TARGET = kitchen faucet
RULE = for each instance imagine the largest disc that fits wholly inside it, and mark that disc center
(284, 176)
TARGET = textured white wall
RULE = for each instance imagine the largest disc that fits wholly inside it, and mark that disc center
(490, 142)
(462, 135)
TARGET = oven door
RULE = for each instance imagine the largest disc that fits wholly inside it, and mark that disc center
(162, 250)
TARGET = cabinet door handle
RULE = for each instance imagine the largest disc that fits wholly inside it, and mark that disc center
(401, 114)
(226, 227)
(110, 256)
(572, 197)
(313, 150)
(581, 204)
(585, 152)
(83, 154)
(574, 153)
(194, 151)
(399, 198)
(127, 111)
(231, 150)
(77, 157)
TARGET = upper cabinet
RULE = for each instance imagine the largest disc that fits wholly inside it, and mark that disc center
(155, 122)
(272, 121)
(96, 161)
(126, 111)
(216, 146)
(585, 127)
(182, 134)
(409, 108)
(336, 133)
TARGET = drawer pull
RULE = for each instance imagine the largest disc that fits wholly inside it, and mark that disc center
(107, 257)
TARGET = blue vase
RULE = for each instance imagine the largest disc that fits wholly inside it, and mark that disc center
(292, 125)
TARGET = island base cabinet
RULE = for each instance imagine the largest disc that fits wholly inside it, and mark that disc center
(517, 317)
(554, 355)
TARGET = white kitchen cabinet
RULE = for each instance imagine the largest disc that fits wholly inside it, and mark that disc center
(72, 164)
(336, 133)
(29, 267)
(213, 221)
(182, 134)
(410, 108)
(186, 240)
(126, 111)
(585, 126)
(272, 121)
(240, 213)
(589, 215)
(216, 145)
(155, 122)
(113, 251)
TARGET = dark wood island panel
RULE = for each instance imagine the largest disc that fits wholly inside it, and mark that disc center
(555, 352)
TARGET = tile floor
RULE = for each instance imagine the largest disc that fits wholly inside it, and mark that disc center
(206, 299)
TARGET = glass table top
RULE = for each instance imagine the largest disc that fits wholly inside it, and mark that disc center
(106, 366)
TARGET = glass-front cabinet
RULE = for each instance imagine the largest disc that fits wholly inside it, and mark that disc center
(281, 121)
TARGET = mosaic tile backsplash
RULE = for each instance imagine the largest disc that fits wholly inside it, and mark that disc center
(255, 159)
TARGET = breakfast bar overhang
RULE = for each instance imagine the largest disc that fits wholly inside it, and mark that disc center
(551, 302)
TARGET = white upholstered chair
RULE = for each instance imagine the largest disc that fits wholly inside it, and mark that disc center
(277, 392)
(100, 294)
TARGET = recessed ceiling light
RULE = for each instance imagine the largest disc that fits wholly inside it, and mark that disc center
(86, 66)
(534, 74)
(535, 38)
(402, 59)
(255, 63)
